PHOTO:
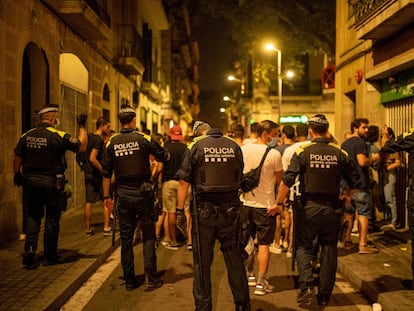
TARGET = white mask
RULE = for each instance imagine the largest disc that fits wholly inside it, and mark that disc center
(273, 142)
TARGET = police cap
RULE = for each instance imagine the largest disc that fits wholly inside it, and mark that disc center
(50, 108)
(126, 114)
(200, 127)
(319, 123)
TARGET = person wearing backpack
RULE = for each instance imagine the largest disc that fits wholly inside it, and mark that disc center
(90, 162)
(257, 201)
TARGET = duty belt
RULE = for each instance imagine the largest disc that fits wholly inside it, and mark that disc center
(206, 209)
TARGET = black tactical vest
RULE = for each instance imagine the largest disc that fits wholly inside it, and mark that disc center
(131, 158)
(219, 167)
(45, 153)
(323, 170)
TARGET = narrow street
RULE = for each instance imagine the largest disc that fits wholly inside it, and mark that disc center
(105, 290)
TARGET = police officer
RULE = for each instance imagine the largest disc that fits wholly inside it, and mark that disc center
(320, 166)
(39, 165)
(127, 156)
(405, 142)
(213, 166)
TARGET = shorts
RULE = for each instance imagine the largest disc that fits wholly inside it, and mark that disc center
(261, 225)
(170, 198)
(361, 201)
(93, 192)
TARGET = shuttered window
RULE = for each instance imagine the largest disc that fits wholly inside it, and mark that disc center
(72, 102)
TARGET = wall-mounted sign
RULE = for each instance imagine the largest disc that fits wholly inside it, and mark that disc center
(398, 86)
(293, 119)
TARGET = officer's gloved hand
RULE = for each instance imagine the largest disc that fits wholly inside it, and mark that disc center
(181, 221)
(81, 119)
(18, 179)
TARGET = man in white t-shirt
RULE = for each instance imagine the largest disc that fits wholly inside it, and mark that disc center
(301, 139)
(256, 203)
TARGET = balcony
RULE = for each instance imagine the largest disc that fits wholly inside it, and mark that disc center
(380, 19)
(152, 91)
(87, 17)
(153, 83)
(130, 50)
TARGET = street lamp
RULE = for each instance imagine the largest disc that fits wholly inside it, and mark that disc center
(228, 99)
(271, 47)
(242, 86)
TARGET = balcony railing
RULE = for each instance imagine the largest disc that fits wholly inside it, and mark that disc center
(381, 19)
(89, 18)
(130, 49)
(365, 8)
(100, 11)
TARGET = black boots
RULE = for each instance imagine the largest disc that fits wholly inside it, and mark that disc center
(28, 258)
(152, 282)
(305, 297)
(131, 284)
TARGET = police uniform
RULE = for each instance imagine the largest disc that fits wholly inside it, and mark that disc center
(213, 165)
(320, 166)
(127, 155)
(42, 153)
(405, 142)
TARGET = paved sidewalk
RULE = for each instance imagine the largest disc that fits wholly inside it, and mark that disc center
(379, 276)
(47, 288)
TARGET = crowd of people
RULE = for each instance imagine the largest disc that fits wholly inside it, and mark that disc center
(174, 190)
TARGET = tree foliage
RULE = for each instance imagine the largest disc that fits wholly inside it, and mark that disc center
(298, 26)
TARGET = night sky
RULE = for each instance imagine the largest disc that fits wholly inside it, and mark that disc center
(215, 65)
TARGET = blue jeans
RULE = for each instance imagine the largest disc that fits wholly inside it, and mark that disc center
(390, 198)
(361, 201)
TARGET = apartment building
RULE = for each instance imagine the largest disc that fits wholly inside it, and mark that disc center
(374, 72)
(90, 56)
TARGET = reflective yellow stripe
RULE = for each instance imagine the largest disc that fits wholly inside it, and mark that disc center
(53, 130)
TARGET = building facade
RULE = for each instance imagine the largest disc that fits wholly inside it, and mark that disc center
(89, 56)
(374, 74)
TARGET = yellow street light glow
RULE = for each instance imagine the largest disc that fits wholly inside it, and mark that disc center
(222, 109)
(270, 47)
(228, 99)
(290, 74)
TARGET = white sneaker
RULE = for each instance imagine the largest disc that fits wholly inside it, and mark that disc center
(388, 227)
(274, 249)
(288, 254)
(263, 288)
(251, 280)
(285, 244)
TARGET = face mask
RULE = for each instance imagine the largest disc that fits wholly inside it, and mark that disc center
(273, 142)
(57, 122)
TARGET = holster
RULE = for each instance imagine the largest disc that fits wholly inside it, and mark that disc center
(340, 207)
(147, 190)
(244, 235)
(297, 203)
(63, 200)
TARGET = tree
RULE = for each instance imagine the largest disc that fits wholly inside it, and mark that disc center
(300, 26)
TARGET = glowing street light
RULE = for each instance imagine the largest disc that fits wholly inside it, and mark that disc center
(228, 99)
(290, 74)
(242, 86)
